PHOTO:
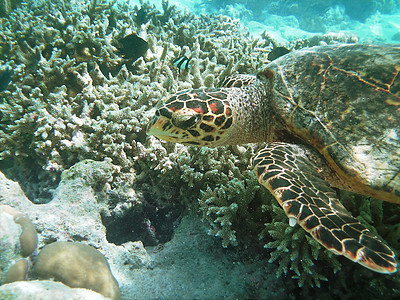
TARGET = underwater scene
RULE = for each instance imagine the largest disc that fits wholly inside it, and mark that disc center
(199, 149)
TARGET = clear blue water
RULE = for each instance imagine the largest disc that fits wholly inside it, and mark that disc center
(376, 21)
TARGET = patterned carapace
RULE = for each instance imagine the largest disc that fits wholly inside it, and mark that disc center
(330, 116)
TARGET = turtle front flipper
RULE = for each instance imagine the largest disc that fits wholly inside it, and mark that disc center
(293, 176)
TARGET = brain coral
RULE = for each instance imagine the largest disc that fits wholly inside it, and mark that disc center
(76, 265)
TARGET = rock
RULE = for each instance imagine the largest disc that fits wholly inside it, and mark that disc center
(49, 290)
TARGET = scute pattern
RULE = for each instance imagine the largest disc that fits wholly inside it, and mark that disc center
(304, 195)
(345, 101)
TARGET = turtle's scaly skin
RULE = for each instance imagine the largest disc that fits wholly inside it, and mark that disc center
(293, 175)
(331, 118)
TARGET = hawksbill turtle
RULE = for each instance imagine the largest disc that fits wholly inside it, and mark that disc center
(330, 117)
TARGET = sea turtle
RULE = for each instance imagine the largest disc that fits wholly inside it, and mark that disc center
(330, 116)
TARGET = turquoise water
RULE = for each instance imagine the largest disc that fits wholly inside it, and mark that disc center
(372, 20)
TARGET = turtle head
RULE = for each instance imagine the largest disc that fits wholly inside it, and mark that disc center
(200, 117)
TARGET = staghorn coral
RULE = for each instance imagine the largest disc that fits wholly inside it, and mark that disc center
(303, 259)
(232, 203)
(226, 203)
(217, 181)
(70, 89)
(295, 251)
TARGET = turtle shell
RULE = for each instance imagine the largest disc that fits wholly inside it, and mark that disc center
(344, 100)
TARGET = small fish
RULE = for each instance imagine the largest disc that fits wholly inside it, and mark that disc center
(5, 78)
(182, 63)
(277, 52)
(132, 47)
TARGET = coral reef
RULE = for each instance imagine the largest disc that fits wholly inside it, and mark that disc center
(74, 214)
(78, 266)
(230, 201)
(293, 249)
(70, 89)
(6, 6)
(175, 268)
(72, 132)
(18, 241)
(313, 17)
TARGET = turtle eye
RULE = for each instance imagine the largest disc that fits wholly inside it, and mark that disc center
(185, 121)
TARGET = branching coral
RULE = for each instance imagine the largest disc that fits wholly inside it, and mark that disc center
(225, 204)
(70, 89)
(301, 257)
(294, 251)
(6, 6)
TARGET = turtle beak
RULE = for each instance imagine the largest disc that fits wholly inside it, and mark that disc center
(155, 126)
(160, 127)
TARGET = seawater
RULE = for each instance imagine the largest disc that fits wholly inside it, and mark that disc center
(372, 21)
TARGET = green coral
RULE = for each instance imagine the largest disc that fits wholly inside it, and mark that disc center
(294, 250)
(298, 255)
(226, 203)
